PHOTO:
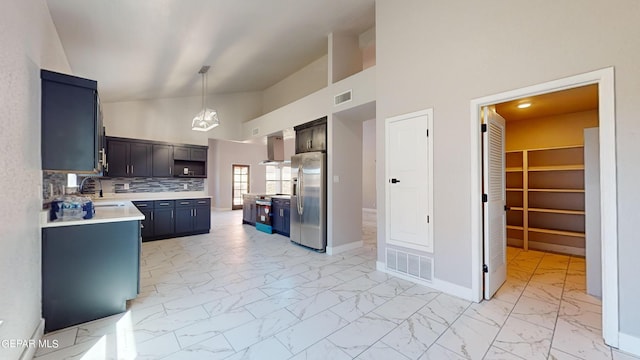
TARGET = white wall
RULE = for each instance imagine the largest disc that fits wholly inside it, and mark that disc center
(369, 164)
(440, 54)
(29, 41)
(170, 119)
(222, 155)
(303, 82)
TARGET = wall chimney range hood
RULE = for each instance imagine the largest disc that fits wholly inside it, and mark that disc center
(275, 151)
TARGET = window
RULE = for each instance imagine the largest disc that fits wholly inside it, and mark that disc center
(240, 185)
(278, 179)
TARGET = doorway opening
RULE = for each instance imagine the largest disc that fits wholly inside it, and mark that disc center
(541, 199)
(239, 185)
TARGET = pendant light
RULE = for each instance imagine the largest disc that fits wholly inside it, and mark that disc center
(206, 119)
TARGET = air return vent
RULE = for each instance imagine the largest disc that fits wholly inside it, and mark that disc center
(342, 98)
(419, 267)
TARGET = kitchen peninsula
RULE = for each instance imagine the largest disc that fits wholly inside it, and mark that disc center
(91, 267)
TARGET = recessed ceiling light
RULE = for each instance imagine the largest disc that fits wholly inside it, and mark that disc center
(524, 105)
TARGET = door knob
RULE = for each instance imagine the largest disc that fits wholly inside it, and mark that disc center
(394, 180)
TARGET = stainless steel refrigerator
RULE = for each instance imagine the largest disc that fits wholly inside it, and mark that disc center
(309, 200)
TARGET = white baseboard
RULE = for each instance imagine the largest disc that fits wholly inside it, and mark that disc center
(629, 344)
(437, 284)
(30, 351)
(333, 250)
(370, 210)
(453, 289)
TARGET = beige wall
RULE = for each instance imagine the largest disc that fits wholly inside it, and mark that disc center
(369, 164)
(303, 82)
(344, 177)
(223, 154)
(443, 54)
(559, 130)
(170, 119)
(29, 41)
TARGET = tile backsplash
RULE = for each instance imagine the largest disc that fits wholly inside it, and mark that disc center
(147, 185)
(57, 181)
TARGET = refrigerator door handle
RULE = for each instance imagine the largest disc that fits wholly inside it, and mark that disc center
(300, 188)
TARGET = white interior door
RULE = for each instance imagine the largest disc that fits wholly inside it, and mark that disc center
(409, 181)
(495, 217)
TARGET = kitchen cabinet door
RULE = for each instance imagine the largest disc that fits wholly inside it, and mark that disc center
(140, 159)
(276, 215)
(286, 219)
(117, 158)
(202, 218)
(147, 223)
(70, 123)
(198, 154)
(181, 153)
(162, 160)
(184, 219)
(163, 222)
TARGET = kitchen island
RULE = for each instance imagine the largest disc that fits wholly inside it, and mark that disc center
(90, 268)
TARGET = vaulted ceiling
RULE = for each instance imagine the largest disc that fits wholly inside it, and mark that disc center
(145, 49)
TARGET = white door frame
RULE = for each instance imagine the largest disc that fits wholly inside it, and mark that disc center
(608, 186)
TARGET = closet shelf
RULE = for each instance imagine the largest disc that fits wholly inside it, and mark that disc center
(513, 169)
(513, 227)
(558, 211)
(514, 189)
(556, 167)
(557, 232)
(516, 208)
(559, 190)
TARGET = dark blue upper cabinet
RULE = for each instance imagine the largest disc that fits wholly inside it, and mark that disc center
(72, 132)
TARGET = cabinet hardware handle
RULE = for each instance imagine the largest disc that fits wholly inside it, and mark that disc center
(131, 169)
(195, 212)
(184, 203)
(152, 216)
(170, 172)
(141, 205)
(127, 169)
(171, 214)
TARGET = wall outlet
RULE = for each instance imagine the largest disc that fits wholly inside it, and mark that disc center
(184, 186)
(336, 178)
(1, 322)
(126, 186)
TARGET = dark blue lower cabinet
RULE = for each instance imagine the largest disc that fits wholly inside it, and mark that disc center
(88, 271)
(280, 216)
(171, 218)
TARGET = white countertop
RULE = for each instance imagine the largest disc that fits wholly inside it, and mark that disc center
(106, 211)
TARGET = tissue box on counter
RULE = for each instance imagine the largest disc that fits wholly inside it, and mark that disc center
(71, 208)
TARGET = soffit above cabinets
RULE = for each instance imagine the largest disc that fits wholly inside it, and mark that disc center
(146, 49)
(561, 102)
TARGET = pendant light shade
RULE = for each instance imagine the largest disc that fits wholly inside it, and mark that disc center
(207, 118)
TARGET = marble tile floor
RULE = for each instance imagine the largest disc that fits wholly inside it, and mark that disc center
(241, 294)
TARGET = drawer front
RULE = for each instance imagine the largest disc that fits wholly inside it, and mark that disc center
(163, 204)
(184, 203)
(202, 202)
(143, 204)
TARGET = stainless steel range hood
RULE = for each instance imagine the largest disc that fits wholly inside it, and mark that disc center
(275, 151)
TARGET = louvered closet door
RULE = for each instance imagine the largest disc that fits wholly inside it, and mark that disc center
(495, 218)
